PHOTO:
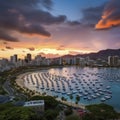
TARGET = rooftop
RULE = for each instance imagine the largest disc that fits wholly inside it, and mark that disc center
(34, 103)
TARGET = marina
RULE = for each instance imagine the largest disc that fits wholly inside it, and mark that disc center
(92, 85)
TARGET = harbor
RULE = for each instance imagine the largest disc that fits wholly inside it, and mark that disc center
(92, 85)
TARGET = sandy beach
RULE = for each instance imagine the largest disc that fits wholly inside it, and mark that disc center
(20, 82)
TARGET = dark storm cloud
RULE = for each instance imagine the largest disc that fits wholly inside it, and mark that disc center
(92, 15)
(26, 16)
(44, 17)
(75, 23)
(111, 15)
(5, 36)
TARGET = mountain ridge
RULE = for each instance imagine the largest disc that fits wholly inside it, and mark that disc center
(102, 54)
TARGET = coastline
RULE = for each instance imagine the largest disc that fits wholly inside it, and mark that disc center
(20, 82)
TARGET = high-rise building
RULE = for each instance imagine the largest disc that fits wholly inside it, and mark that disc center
(113, 60)
(116, 60)
(29, 57)
(38, 59)
(110, 61)
(13, 58)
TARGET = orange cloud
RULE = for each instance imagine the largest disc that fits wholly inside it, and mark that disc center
(49, 55)
(106, 24)
(31, 49)
(111, 16)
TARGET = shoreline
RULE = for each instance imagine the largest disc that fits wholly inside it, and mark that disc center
(20, 82)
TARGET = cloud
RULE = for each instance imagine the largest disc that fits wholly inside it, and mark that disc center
(61, 47)
(111, 16)
(23, 51)
(6, 37)
(49, 55)
(31, 49)
(26, 16)
(2, 49)
(74, 52)
(5, 43)
(92, 15)
(74, 23)
(8, 47)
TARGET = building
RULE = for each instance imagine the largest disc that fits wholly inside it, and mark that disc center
(68, 60)
(38, 60)
(5, 65)
(113, 60)
(37, 105)
(116, 60)
(14, 58)
(29, 57)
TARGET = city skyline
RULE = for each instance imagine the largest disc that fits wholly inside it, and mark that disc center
(55, 28)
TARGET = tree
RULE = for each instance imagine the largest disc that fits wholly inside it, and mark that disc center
(50, 102)
(71, 97)
(77, 99)
(10, 112)
(62, 98)
(102, 112)
(51, 114)
(73, 117)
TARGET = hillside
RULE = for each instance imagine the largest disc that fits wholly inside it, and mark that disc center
(103, 54)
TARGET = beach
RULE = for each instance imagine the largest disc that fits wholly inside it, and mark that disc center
(20, 82)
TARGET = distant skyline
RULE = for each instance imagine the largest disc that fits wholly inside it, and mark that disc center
(58, 27)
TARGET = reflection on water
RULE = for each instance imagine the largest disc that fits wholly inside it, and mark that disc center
(92, 85)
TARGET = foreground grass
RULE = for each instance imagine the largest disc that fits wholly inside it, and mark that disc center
(101, 112)
(9, 111)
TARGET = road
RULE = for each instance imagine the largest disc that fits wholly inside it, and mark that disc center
(7, 87)
(12, 92)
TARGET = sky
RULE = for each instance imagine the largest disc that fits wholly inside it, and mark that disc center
(54, 28)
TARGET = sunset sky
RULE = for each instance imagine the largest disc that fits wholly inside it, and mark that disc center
(56, 27)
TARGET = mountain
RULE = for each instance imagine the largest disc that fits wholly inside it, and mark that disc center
(103, 54)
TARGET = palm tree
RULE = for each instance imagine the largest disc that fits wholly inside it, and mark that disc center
(77, 99)
(62, 98)
(71, 97)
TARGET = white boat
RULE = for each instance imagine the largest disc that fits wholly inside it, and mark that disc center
(74, 92)
(108, 97)
(68, 93)
(108, 87)
(85, 97)
(103, 99)
(89, 98)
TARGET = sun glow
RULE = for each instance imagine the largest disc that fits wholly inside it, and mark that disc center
(46, 52)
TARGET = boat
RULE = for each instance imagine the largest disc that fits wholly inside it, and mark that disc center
(94, 96)
(108, 97)
(108, 87)
(103, 99)
(85, 97)
(74, 92)
(68, 93)
(89, 98)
